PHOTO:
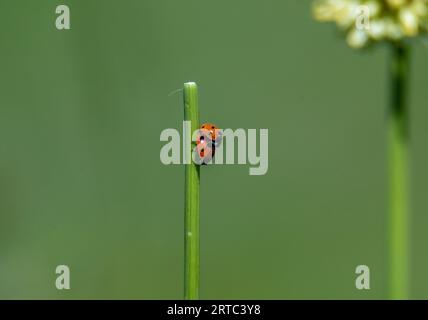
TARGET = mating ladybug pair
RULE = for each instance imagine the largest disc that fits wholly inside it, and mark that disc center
(209, 137)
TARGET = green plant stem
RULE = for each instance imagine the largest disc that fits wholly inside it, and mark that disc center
(191, 207)
(398, 137)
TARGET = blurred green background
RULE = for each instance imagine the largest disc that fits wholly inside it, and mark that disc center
(81, 182)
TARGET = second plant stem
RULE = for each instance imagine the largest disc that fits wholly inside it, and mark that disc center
(398, 137)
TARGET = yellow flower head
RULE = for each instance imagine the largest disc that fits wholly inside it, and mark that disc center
(365, 21)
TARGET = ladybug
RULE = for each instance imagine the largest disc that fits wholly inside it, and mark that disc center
(209, 137)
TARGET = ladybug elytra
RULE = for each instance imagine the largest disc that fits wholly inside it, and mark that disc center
(209, 137)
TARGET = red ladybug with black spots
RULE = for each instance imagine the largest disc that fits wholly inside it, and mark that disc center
(209, 137)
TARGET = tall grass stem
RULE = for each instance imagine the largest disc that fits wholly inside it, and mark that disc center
(398, 141)
(191, 206)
